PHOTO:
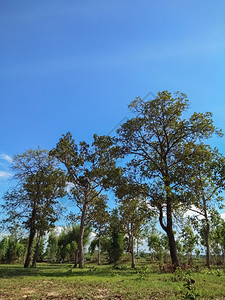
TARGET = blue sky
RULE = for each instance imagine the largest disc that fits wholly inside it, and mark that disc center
(76, 65)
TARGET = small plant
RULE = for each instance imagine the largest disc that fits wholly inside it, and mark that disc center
(143, 273)
(69, 271)
(93, 269)
(119, 267)
(218, 272)
(114, 274)
(180, 275)
(198, 269)
(189, 290)
(115, 266)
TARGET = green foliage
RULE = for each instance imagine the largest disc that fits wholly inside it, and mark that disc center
(67, 242)
(159, 141)
(52, 247)
(143, 273)
(180, 275)
(40, 185)
(15, 250)
(116, 246)
(204, 183)
(3, 249)
(158, 244)
(90, 168)
(41, 252)
(34, 201)
(134, 213)
(93, 245)
(168, 169)
(188, 240)
(98, 216)
(189, 291)
(12, 249)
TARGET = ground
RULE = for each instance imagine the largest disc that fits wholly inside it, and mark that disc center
(61, 281)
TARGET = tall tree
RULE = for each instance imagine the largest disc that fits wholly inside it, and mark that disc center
(35, 199)
(156, 139)
(89, 168)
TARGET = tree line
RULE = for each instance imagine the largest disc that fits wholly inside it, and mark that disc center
(158, 165)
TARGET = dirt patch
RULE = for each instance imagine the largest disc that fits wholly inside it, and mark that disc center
(101, 294)
(27, 290)
(53, 294)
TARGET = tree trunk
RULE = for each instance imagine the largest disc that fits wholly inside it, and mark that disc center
(137, 247)
(81, 236)
(173, 248)
(172, 242)
(76, 259)
(132, 252)
(36, 251)
(208, 260)
(169, 231)
(31, 239)
(207, 233)
(99, 250)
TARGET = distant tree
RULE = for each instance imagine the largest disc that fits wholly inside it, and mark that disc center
(218, 237)
(41, 249)
(189, 239)
(4, 244)
(205, 180)
(105, 246)
(89, 169)
(68, 242)
(15, 250)
(34, 202)
(158, 244)
(13, 246)
(156, 139)
(98, 217)
(116, 246)
(134, 214)
(52, 247)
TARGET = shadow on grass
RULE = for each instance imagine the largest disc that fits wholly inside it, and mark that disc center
(65, 271)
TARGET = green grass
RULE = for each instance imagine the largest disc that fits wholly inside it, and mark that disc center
(61, 281)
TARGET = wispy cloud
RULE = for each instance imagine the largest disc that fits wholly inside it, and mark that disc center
(6, 157)
(5, 175)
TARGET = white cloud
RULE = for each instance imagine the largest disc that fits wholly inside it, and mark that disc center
(5, 175)
(58, 229)
(6, 157)
(69, 186)
(223, 216)
(193, 212)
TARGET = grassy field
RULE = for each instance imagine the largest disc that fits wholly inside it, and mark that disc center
(61, 281)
